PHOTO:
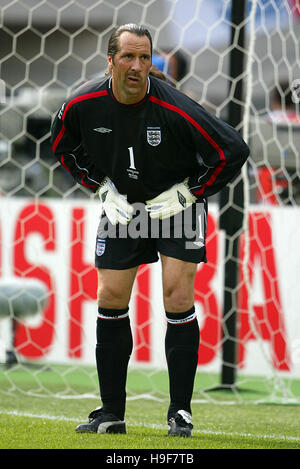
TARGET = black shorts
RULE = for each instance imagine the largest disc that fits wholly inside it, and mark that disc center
(182, 236)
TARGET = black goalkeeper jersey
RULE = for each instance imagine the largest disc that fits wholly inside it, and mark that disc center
(147, 147)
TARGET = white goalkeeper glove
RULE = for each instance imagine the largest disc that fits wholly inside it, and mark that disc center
(171, 201)
(115, 205)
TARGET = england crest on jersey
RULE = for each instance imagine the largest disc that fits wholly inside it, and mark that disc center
(100, 246)
(154, 136)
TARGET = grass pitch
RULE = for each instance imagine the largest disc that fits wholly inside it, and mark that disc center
(244, 419)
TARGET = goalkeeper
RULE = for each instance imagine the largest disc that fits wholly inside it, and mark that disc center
(134, 139)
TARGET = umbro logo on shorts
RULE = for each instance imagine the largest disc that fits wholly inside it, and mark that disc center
(102, 130)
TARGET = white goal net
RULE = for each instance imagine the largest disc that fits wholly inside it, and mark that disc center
(48, 223)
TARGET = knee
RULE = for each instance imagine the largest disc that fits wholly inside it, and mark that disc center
(177, 299)
(111, 297)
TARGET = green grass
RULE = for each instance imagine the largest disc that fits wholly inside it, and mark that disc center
(222, 419)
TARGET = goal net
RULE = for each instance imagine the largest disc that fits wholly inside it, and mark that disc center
(47, 223)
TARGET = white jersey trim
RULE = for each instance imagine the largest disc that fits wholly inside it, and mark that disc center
(182, 321)
(113, 318)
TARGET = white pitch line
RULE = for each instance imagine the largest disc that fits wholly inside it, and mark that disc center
(156, 426)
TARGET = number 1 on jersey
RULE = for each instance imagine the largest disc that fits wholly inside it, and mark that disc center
(132, 172)
(131, 156)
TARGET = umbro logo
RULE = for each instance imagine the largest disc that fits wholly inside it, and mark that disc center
(102, 130)
(181, 199)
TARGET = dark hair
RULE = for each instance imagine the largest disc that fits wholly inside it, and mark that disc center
(155, 72)
(113, 43)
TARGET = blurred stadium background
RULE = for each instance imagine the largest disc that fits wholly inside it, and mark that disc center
(249, 70)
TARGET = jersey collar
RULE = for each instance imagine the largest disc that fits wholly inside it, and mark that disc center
(128, 105)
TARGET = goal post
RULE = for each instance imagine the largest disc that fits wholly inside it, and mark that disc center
(232, 214)
(240, 59)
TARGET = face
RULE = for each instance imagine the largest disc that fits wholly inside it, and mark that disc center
(130, 68)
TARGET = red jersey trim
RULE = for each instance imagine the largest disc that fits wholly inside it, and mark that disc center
(205, 135)
(92, 186)
(95, 94)
(62, 160)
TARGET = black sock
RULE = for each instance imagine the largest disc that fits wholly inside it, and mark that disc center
(181, 346)
(113, 349)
